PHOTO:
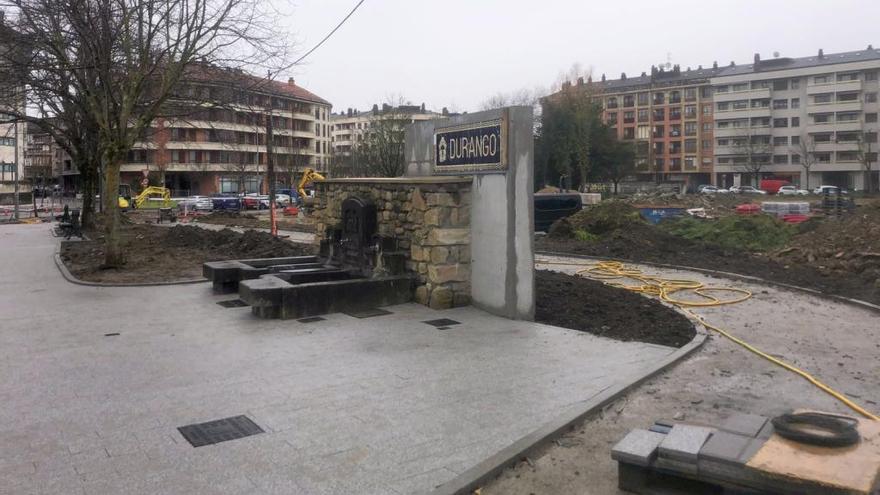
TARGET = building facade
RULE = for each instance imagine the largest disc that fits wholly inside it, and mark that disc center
(810, 120)
(221, 148)
(350, 127)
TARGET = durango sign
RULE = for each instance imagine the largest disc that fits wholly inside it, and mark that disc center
(477, 147)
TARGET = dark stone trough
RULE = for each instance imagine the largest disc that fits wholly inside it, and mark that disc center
(355, 270)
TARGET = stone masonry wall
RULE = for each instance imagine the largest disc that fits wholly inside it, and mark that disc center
(431, 221)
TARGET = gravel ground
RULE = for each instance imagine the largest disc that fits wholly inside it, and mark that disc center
(836, 342)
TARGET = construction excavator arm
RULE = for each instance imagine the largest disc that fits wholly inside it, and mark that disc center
(148, 192)
(309, 175)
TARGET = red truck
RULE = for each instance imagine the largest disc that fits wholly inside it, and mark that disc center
(771, 186)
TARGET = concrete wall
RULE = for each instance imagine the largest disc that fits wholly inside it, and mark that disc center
(502, 213)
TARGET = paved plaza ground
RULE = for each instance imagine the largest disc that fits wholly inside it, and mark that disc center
(386, 404)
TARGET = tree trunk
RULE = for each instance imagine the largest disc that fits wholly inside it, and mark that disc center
(113, 255)
(87, 216)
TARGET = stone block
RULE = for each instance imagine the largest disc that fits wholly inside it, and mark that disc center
(416, 253)
(461, 299)
(744, 424)
(439, 255)
(683, 442)
(638, 447)
(441, 298)
(418, 201)
(440, 199)
(448, 237)
(436, 216)
(724, 447)
(422, 294)
(440, 274)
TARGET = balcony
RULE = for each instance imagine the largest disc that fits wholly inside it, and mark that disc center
(751, 94)
(743, 113)
(850, 125)
(838, 87)
(731, 132)
(835, 106)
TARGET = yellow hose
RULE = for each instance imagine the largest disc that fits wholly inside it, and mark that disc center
(610, 272)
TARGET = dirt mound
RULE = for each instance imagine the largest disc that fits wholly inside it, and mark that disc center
(613, 313)
(250, 244)
(598, 220)
(745, 232)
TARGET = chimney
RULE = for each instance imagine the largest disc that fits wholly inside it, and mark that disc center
(375, 109)
(757, 58)
(290, 81)
(445, 111)
(699, 67)
(603, 77)
(870, 47)
(644, 74)
(423, 107)
(732, 63)
(623, 76)
(715, 64)
(821, 53)
(386, 107)
(580, 81)
(589, 79)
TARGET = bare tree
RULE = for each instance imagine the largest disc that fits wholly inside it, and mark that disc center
(123, 59)
(754, 152)
(806, 150)
(867, 156)
(381, 148)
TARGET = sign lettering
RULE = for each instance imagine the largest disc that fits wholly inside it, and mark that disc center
(470, 148)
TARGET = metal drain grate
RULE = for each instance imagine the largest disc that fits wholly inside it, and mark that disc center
(220, 430)
(311, 319)
(442, 323)
(232, 303)
(369, 313)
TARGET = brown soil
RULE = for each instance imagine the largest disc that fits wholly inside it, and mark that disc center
(163, 254)
(855, 274)
(613, 313)
(247, 220)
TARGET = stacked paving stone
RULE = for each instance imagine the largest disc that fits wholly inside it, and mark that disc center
(681, 458)
(431, 222)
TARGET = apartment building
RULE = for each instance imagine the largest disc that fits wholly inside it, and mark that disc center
(221, 147)
(350, 127)
(779, 117)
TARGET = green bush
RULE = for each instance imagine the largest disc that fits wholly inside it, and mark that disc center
(584, 236)
(748, 232)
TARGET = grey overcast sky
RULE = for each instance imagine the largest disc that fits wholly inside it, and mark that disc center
(457, 53)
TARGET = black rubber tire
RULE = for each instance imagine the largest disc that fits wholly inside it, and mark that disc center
(841, 431)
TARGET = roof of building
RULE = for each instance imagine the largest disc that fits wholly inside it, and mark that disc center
(676, 75)
(250, 82)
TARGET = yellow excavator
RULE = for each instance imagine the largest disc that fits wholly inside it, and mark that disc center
(150, 192)
(308, 176)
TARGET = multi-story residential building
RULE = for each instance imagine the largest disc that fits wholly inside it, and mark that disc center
(222, 147)
(667, 115)
(350, 127)
(776, 117)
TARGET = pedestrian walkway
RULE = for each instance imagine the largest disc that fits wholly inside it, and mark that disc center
(94, 383)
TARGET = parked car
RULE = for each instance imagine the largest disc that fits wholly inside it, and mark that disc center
(195, 203)
(712, 190)
(226, 202)
(829, 190)
(791, 191)
(746, 190)
(252, 201)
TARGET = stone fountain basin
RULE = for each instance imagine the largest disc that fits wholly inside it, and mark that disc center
(226, 275)
(275, 296)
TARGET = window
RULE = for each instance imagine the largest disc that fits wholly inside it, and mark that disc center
(690, 163)
(707, 161)
(780, 122)
(847, 137)
(690, 128)
(629, 117)
(870, 137)
(760, 84)
(870, 117)
(851, 76)
(795, 83)
(795, 158)
(847, 156)
(675, 97)
(822, 79)
(795, 103)
(659, 114)
(675, 130)
(795, 140)
(780, 141)
(690, 111)
(825, 137)
(795, 121)
(706, 144)
(611, 118)
(705, 92)
(762, 103)
(723, 142)
(823, 98)
(780, 85)
(690, 94)
(659, 131)
(629, 133)
(722, 89)
(707, 127)
(780, 104)
(740, 104)
(629, 100)
(643, 99)
(741, 87)
(847, 97)
(871, 97)
(848, 117)
(707, 109)
(871, 75)
(643, 132)
(822, 118)
(674, 113)
(780, 159)
(612, 102)
(659, 98)
(723, 106)
(690, 145)
(7, 141)
(761, 122)
(643, 115)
